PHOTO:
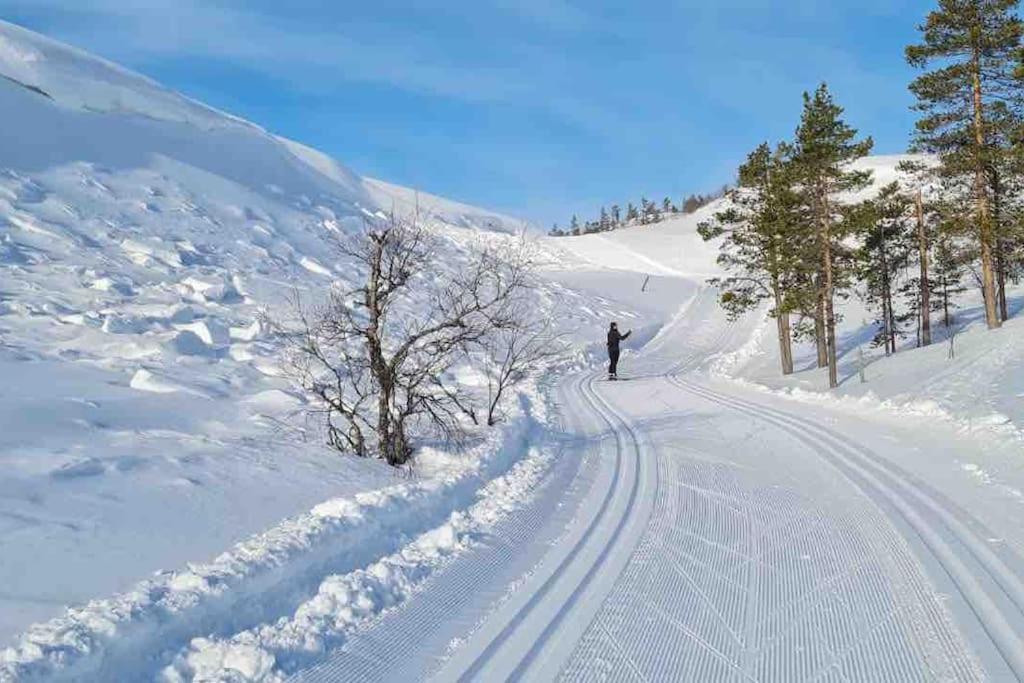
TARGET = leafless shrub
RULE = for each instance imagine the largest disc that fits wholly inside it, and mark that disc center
(374, 356)
(511, 354)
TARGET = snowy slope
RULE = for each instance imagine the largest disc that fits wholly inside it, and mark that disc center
(671, 247)
(141, 413)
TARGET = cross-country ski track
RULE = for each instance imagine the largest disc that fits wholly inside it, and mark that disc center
(690, 532)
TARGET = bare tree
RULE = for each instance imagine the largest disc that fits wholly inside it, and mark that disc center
(512, 353)
(373, 356)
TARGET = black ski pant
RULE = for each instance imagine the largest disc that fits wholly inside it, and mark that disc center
(613, 361)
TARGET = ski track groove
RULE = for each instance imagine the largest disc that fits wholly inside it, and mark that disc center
(364, 663)
(366, 657)
(359, 664)
(870, 472)
(609, 416)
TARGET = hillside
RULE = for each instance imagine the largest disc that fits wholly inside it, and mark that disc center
(979, 387)
(142, 234)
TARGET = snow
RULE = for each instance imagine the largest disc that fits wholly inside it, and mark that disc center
(142, 238)
(405, 201)
(344, 601)
(125, 632)
(165, 516)
(977, 389)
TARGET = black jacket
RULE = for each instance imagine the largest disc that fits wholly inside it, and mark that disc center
(614, 337)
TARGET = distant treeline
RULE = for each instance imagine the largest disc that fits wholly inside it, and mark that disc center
(646, 213)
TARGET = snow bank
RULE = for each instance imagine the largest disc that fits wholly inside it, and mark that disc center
(344, 601)
(972, 382)
(991, 424)
(267, 576)
(725, 363)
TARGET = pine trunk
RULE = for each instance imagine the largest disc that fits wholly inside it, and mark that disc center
(828, 292)
(785, 336)
(997, 223)
(830, 329)
(887, 317)
(819, 327)
(892, 326)
(981, 201)
(925, 313)
(1004, 312)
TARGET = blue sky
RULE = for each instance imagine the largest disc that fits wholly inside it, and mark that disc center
(539, 109)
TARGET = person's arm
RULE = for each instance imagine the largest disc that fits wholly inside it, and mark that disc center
(626, 335)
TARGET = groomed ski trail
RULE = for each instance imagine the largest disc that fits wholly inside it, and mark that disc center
(568, 597)
(583, 555)
(988, 583)
(669, 557)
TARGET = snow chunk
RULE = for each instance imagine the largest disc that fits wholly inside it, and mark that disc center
(314, 266)
(144, 380)
(188, 343)
(143, 254)
(120, 286)
(207, 290)
(116, 323)
(254, 331)
(211, 331)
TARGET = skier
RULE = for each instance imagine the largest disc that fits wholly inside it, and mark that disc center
(614, 337)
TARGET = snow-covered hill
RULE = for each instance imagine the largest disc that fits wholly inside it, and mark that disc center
(141, 236)
(673, 247)
(980, 386)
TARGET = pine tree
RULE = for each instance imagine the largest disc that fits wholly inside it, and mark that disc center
(760, 247)
(574, 225)
(883, 257)
(976, 45)
(825, 146)
(666, 206)
(631, 214)
(948, 276)
(616, 215)
(645, 211)
(1006, 181)
(653, 214)
(916, 175)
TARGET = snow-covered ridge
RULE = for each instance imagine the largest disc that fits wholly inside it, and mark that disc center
(77, 81)
(405, 201)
